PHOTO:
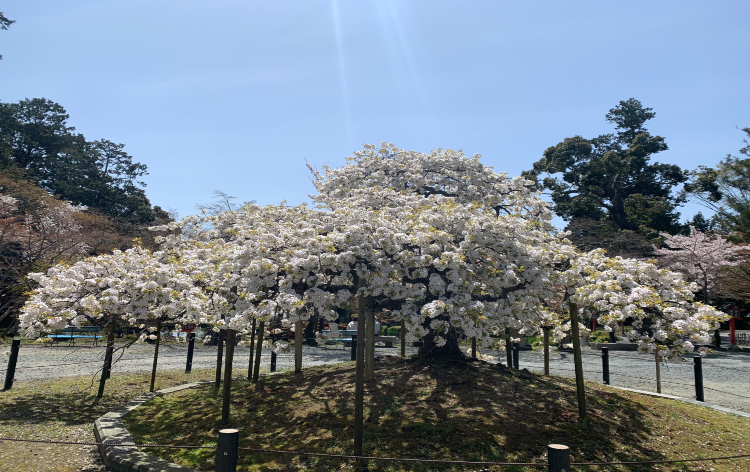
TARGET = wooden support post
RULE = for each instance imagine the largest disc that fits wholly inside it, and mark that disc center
(156, 355)
(231, 336)
(558, 458)
(299, 332)
(11, 372)
(577, 359)
(226, 450)
(402, 333)
(191, 347)
(508, 349)
(369, 343)
(252, 351)
(219, 357)
(108, 356)
(359, 379)
(546, 349)
(258, 350)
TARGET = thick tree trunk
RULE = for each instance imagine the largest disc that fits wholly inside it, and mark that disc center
(227, 392)
(451, 349)
(252, 351)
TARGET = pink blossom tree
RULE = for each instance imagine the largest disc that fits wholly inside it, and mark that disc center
(701, 258)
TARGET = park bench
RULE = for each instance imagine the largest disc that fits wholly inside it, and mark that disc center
(71, 333)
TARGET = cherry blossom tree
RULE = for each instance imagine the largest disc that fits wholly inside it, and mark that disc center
(701, 258)
(133, 286)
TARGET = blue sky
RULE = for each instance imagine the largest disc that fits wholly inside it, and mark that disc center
(236, 95)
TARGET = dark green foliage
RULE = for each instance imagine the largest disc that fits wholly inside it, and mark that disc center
(609, 178)
(725, 190)
(5, 24)
(34, 136)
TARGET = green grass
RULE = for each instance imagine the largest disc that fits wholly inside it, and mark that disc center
(65, 409)
(460, 410)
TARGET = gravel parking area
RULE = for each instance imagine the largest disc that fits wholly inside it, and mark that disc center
(725, 374)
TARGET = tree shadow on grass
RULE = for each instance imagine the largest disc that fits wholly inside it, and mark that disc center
(466, 410)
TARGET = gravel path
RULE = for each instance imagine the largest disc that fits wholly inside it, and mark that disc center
(725, 374)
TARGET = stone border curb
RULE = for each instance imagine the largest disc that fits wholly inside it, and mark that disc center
(123, 455)
(686, 400)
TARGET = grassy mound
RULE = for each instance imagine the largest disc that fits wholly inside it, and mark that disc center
(446, 410)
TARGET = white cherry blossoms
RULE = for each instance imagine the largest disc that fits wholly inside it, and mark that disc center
(135, 286)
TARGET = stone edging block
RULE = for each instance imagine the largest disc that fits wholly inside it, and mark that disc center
(122, 455)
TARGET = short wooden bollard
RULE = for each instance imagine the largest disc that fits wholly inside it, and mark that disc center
(191, 347)
(11, 372)
(698, 369)
(226, 450)
(354, 347)
(605, 365)
(273, 361)
(558, 458)
(515, 356)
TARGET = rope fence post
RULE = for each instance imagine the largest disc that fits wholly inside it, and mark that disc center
(226, 450)
(273, 360)
(191, 347)
(605, 365)
(11, 372)
(558, 458)
(515, 356)
(698, 369)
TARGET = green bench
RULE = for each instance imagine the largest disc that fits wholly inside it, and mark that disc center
(71, 333)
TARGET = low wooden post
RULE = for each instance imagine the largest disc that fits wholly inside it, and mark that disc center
(605, 365)
(558, 458)
(657, 357)
(258, 351)
(298, 338)
(546, 349)
(515, 356)
(219, 357)
(273, 360)
(402, 334)
(252, 351)
(226, 396)
(11, 372)
(107, 357)
(226, 450)
(698, 370)
(191, 347)
(578, 360)
(156, 355)
(359, 380)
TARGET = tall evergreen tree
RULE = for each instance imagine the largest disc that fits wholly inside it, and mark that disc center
(34, 136)
(609, 179)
